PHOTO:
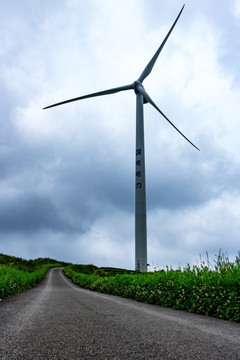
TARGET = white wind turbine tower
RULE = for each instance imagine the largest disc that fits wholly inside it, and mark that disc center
(140, 189)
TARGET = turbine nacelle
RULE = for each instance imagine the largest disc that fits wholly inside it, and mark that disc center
(136, 85)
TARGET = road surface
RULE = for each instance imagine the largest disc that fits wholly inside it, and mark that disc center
(58, 320)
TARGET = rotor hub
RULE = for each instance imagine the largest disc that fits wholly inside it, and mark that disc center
(136, 85)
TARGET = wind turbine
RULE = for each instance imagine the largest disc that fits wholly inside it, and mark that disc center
(140, 190)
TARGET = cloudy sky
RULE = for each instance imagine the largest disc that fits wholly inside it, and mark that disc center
(67, 173)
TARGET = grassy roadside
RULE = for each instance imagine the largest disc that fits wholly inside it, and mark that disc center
(13, 281)
(204, 289)
(17, 274)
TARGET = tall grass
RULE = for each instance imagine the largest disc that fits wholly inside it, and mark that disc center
(208, 289)
(17, 274)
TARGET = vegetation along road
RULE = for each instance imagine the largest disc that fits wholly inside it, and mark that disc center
(58, 320)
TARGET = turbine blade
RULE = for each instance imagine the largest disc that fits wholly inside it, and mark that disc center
(151, 63)
(100, 93)
(148, 99)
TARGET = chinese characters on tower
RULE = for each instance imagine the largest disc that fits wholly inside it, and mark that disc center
(138, 169)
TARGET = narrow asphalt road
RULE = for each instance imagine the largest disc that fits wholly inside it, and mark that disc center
(57, 320)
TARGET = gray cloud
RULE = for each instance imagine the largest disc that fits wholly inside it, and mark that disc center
(29, 213)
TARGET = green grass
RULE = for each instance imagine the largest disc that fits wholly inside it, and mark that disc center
(13, 280)
(212, 290)
(17, 274)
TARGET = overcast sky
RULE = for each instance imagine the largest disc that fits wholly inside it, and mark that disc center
(67, 174)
